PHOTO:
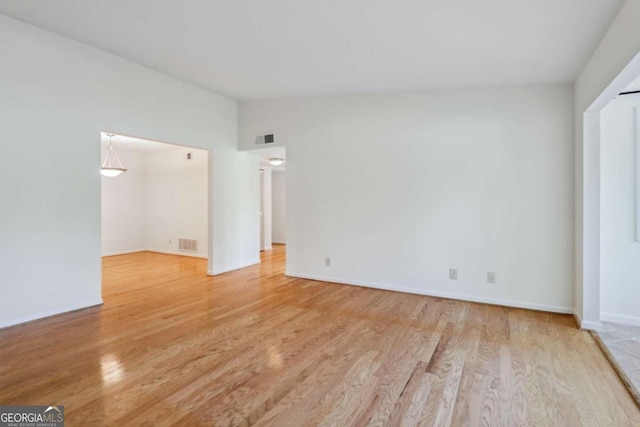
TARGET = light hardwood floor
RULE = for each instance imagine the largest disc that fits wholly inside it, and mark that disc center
(172, 346)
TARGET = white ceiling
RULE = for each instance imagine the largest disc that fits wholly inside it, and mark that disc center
(127, 143)
(251, 49)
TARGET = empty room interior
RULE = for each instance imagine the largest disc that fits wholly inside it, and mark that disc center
(233, 213)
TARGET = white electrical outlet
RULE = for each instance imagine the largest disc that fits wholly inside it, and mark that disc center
(453, 273)
(491, 277)
(169, 241)
(327, 261)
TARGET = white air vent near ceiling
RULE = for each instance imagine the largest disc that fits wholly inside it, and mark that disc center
(187, 245)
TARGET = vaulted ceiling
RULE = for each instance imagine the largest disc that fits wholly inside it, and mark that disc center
(250, 49)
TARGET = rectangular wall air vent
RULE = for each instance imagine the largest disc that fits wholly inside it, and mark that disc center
(265, 139)
(187, 245)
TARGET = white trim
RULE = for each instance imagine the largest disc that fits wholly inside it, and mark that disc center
(130, 251)
(591, 326)
(577, 319)
(587, 324)
(620, 318)
(278, 243)
(216, 272)
(461, 297)
(50, 313)
(158, 251)
(637, 174)
(589, 255)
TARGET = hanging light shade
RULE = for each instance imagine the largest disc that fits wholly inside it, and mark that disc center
(112, 166)
(276, 161)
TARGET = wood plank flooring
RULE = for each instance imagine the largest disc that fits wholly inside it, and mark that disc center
(172, 346)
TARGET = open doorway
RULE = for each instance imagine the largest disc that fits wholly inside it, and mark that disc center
(619, 207)
(608, 179)
(160, 204)
(620, 234)
(273, 167)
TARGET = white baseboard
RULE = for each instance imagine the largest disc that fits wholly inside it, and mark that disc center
(130, 251)
(461, 297)
(49, 313)
(192, 255)
(279, 243)
(158, 251)
(620, 318)
(588, 325)
(234, 268)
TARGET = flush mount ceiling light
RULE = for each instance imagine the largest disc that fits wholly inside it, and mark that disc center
(109, 168)
(276, 161)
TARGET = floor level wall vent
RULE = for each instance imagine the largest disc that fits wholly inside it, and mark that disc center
(187, 245)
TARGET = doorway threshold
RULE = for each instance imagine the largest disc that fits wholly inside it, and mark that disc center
(621, 345)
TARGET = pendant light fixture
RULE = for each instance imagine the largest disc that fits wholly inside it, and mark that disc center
(276, 161)
(109, 167)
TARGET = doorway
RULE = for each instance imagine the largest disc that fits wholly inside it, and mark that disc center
(619, 234)
(272, 196)
(619, 206)
(160, 203)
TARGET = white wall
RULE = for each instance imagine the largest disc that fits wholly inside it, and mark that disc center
(266, 210)
(397, 189)
(176, 199)
(236, 209)
(278, 206)
(56, 96)
(613, 65)
(619, 250)
(124, 206)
